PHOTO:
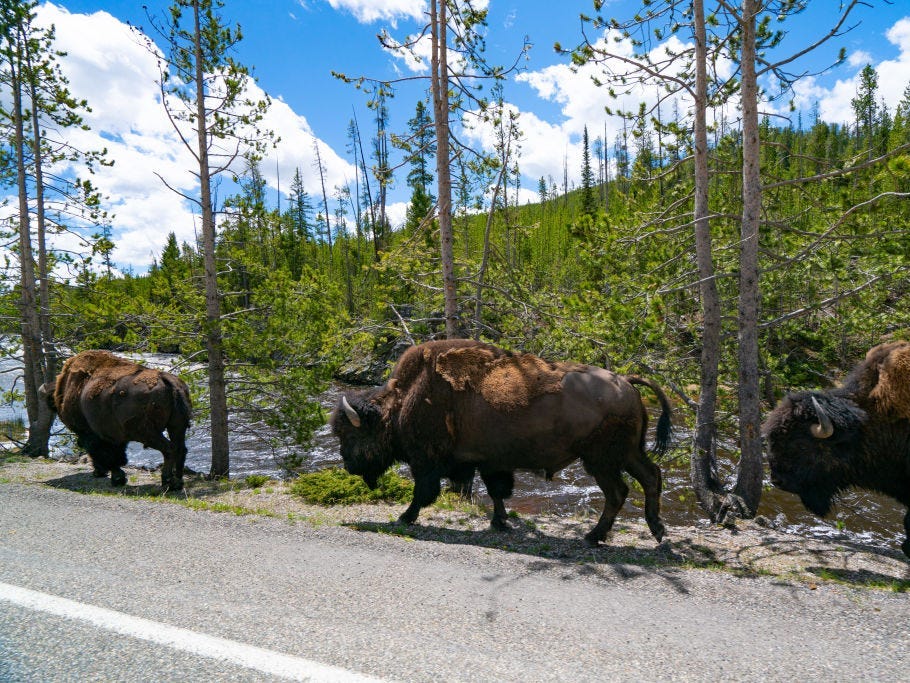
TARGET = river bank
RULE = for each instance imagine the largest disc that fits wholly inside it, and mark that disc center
(753, 549)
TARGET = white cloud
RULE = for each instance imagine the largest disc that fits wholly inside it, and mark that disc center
(893, 76)
(109, 65)
(859, 58)
(368, 11)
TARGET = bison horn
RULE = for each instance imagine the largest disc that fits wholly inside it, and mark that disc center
(824, 428)
(350, 412)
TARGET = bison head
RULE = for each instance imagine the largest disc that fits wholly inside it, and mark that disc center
(814, 440)
(361, 423)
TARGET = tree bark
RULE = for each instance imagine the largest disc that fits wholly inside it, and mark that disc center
(749, 474)
(39, 414)
(214, 345)
(703, 463)
(440, 89)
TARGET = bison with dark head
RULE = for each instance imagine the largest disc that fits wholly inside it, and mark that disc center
(856, 435)
(107, 401)
(453, 406)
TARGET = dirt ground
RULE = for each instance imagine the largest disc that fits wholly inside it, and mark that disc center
(751, 549)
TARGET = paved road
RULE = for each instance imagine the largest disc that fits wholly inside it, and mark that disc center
(107, 589)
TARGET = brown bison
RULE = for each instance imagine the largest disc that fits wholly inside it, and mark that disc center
(453, 406)
(856, 435)
(107, 401)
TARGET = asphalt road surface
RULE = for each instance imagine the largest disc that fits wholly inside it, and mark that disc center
(94, 588)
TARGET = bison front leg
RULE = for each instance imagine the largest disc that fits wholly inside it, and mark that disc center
(426, 490)
(906, 544)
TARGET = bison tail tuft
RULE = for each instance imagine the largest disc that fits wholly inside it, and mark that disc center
(664, 432)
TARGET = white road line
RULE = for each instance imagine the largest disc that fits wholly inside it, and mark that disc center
(249, 656)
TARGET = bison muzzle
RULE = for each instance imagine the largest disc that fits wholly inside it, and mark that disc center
(108, 401)
(451, 407)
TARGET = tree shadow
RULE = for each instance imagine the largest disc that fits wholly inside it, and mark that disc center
(609, 561)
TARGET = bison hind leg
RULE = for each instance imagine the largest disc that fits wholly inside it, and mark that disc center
(905, 546)
(615, 491)
(500, 486)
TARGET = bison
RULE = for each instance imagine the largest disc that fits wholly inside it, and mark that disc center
(108, 401)
(856, 435)
(453, 406)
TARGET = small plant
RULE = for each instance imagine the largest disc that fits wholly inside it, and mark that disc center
(254, 481)
(337, 487)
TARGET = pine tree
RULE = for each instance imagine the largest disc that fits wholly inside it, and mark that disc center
(196, 65)
(588, 196)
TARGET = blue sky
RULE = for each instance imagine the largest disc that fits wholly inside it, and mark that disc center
(293, 45)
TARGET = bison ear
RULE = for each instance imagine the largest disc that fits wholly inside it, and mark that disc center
(350, 412)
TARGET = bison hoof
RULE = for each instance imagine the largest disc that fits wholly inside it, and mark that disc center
(407, 519)
(118, 478)
(99, 473)
(906, 547)
(658, 531)
(500, 524)
(172, 484)
(592, 541)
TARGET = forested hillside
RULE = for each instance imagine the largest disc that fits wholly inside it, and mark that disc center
(603, 273)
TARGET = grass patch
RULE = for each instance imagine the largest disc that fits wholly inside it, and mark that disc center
(862, 579)
(455, 502)
(8, 457)
(335, 486)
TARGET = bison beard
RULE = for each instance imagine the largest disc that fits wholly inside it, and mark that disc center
(107, 401)
(453, 406)
(855, 435)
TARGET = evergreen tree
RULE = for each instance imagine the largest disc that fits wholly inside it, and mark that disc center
(588, 196)
(204, 90)
(865, 107)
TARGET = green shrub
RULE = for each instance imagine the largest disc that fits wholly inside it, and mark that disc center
(254, 481)
(335, 486)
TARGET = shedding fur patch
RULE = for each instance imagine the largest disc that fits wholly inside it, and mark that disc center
(105, 368)
(892, 391)
(505, 382)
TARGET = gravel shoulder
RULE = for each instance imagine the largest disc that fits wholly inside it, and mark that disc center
(749, 550)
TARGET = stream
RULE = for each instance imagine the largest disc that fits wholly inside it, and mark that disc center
(859, 516)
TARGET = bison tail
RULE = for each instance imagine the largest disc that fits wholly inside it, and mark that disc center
(182, 404)
(664, 432)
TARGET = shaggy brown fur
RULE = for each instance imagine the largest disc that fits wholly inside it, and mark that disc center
(892, 390)
(108, 401)
(451, 407)
(505, 382)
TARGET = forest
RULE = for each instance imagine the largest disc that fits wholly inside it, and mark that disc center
(729, 255)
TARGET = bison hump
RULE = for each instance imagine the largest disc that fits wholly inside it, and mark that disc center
(507, 383)
(892, 390)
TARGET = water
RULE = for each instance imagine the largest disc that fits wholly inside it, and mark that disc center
(860, 516)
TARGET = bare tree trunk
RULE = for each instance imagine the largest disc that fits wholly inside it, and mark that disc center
(213, 340)
(440, 88)
(47, 340)
(749, 475)
(482, 272)
(39, 414)
(703, 463)
(325, 200)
